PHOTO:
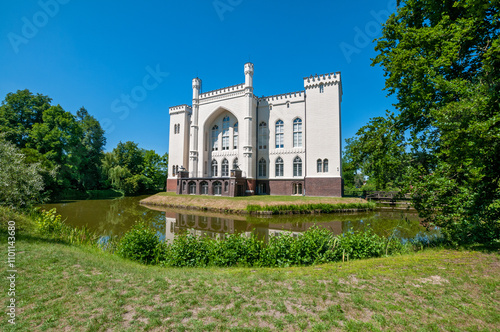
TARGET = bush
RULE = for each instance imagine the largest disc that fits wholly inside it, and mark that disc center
(359, 245)
(314, 246)
(140, 244)
(188, 250)
(49, 223)
(235, 249)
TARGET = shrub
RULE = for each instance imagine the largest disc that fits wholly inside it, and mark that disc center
(235, 249)
(279, 251)
(49, 223)
(358, 245)
(314, 246)
(140, 244)
(188, 250)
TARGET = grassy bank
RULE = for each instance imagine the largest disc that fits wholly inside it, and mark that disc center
(259, 204)
(63, 287)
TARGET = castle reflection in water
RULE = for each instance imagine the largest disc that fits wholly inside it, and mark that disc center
(221, 226)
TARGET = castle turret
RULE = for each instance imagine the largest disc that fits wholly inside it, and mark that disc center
(249, 75)
(193, 151)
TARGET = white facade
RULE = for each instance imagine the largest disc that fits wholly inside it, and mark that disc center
(272, 139)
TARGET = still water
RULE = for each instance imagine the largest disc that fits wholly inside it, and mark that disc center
(113, 217)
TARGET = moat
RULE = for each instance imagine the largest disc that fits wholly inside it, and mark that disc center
(113, 217)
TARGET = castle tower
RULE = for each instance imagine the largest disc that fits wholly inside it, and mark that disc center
(323, 135)
(178, 151)
(193, 151)
(249, 126)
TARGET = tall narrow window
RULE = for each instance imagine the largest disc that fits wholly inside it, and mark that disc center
(262, 167)
(235, 136)
(319, 166)
(279, 167)
(217, 188)
(297, 166)
(225, 167)
(173, 170)
(321, 88)
(214, 168)
(235, 163)
(297, 133)
(215, 138)
(263, 135)
(279, 134)
(192, 188)
(225, 133)
(325, 166)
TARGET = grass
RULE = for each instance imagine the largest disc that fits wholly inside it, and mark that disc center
(62, 287)
(247, 203)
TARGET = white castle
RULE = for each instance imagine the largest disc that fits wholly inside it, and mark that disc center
(232, 143)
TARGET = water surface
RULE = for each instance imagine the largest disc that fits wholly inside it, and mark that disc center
(113, 217)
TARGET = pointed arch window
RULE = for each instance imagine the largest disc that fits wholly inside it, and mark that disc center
(215, 138)
(225, 167)
(325, 166)
(319, 166)
(297, 166)
(297, 133)
(279, 167)
(192, 188)
(262, 167)
(321, 88)
(235, 163)
(263, 135)
(235, 136)
(214, 168)
(225, 133)
(279, 134)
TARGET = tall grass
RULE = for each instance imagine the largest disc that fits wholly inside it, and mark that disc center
(311, 208)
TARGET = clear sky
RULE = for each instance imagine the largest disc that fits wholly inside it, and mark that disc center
(96, 53)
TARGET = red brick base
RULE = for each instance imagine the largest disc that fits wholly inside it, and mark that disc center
(172, 185)
(324, 187)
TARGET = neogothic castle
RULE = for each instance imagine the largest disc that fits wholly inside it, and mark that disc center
(231, 142)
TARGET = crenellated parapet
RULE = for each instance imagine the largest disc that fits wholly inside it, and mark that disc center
(315, 81)
(219, 92)
(290, 97)
(180, 109)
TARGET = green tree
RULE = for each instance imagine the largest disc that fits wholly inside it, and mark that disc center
(378, 150)
(21, 184)
(91, 150)
(442, 61)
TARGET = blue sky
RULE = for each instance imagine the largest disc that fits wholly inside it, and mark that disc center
(96, 53)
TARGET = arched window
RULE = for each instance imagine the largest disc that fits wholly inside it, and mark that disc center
(214, 167)
(235, 136)
(217, 188)
(225, 167)
(192, 188)
(288, 104)
(263, 135)
(235, 163)
(297, 166)
(279, 167)
(226, 186)
(215, 138)
(325, 166)
(173, 170)
(204, 188)
(262, 167)
(225, 133)
(319, 166)
(297, 188)
(297, 133)
(279, 134)
(321, 88)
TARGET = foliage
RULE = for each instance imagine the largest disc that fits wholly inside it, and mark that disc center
(187, 250)
(235, 249)
(135, 170)
(311, 208)
(441, 60)
(378, 151)
(21, 185)
(68, 148)
(140, 244)
(359, 245)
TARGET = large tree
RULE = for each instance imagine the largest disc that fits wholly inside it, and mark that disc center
(442, 61)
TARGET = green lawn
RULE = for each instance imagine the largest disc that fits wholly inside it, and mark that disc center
(63, 287)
